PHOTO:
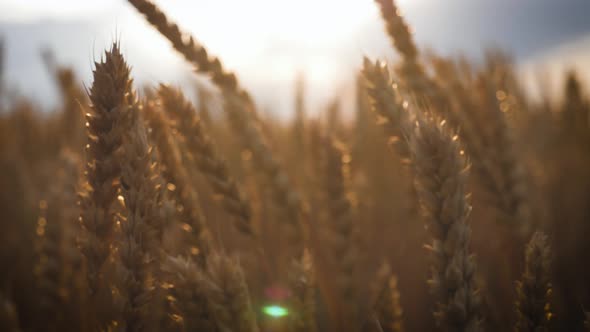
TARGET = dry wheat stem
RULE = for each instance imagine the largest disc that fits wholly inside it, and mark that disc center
(386, 305)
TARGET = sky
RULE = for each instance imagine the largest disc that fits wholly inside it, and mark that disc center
(270, 42)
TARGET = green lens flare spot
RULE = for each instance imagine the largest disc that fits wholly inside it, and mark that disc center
(275, 311)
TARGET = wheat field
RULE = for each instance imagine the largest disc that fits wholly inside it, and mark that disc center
(450, 201)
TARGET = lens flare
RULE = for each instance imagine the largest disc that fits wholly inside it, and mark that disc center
(275, 311)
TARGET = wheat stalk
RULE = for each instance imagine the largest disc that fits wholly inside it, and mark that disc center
(386, 307)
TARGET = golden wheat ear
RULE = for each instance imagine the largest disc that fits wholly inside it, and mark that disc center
(191, 50)
(206, 157)
(386, 311)
(391, 112)
(8, 315)
(243, 118)
(188, 287)
(534, 290)
(441, 172)
(109, 103)
(176, 173)
(342, 246)
(302, 303)
(229, 296)
(142, 227)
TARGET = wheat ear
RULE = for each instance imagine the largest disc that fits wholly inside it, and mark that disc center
(339, 200)
(206, 157)
(302, 302)
(229, 296)
(189, 286)
(506, 180)
(415, 80)
(534, 289)
(110, 99)
(8, 315)
(441, 174)
(386, 307)
(59, 272)
(392, 114)
(141, 221)
(176, 173)
(192, 51)
(242, 115)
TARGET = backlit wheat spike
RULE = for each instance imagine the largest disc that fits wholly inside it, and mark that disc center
(189, 285)
(339, 199)
(391, 112)
(238, 102)
(534, 289)
(229, 296)
(8, 315)
(415, 80)
(177, 175)
(398, 30)
(243, 118)
(193, 52)
(386, 308)
(141, 220)
(285, 197)
(302, 302)
(58, 271)
(110, 98)
(206, 157)
(441, 174)
(507, 182)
